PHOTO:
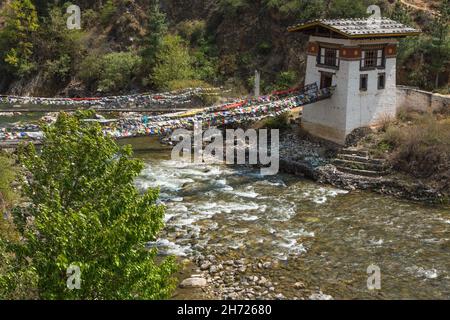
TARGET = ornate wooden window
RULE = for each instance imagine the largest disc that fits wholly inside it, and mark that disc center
(372, 59)
(328, 57)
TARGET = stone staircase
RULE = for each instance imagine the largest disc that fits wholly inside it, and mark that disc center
(358, 162)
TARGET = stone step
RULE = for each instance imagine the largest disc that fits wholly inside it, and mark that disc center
(349, 157)
(365, 173)
(355, 152)
(358, 165)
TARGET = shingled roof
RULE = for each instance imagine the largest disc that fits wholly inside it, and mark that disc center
(359, 28)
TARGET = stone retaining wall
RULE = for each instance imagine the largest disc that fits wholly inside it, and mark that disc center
(418, 100)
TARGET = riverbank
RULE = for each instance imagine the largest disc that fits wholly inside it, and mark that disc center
(311, 158)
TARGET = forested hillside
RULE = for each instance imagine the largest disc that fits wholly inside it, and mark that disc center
(141, 45)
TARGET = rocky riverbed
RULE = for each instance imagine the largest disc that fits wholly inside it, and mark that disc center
(240, 235)
(243, 279)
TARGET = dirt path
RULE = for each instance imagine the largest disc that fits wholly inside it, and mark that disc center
(418, 5)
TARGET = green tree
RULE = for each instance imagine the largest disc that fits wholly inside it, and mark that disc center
(173, 63)
(440, 42)
(347, 9)
(59, 48)
(399, 14)
(301, 9)
(21, 24)
(153, 41)
(15, 282)
(107, 12)
(85, 210)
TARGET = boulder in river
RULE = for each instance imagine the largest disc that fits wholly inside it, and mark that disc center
(193, 283)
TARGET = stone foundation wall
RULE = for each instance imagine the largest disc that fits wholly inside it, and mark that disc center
(325, 132)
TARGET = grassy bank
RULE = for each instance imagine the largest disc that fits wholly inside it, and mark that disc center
(417, 145)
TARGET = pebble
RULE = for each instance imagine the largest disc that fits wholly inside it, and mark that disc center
(213, 269)
(262, 281)
(205, 265)
(280, 296)
(320, 296)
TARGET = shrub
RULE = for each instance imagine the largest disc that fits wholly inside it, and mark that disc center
(7, 176)
(112, 72)
(17, 35)
(59, 69)
(284, 80)
(89, 18)
(232, 7)
(192, 30)
(184, 84)
(206, 99)
(90, 69)
(205, 67)
(264, 48)
(422, 149)
(118, 71)
(347, 9)
(280, 122)
(60, 50)
(301, 9)
(15, 283)
(228, 65)
(173, 63)
(385, 121)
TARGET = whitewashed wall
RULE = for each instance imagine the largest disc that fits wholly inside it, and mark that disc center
(349, 108)
(368, 107)
(327, 119)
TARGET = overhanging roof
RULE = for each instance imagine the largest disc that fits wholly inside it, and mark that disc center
(359, 28)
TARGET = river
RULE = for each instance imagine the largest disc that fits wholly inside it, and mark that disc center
(320, 235)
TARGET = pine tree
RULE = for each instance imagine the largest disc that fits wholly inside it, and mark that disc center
(440, 44)
(153, 41)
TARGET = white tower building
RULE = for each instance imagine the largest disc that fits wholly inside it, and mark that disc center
(358, 56)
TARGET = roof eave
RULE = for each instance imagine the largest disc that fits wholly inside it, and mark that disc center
(353, 36)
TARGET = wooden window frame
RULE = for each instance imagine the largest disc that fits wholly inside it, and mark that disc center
(372, 58)
(381, 86)
(326, 74)
(328, 57)
(361, 78)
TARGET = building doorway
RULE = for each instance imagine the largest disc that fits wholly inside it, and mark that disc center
(326, 80)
